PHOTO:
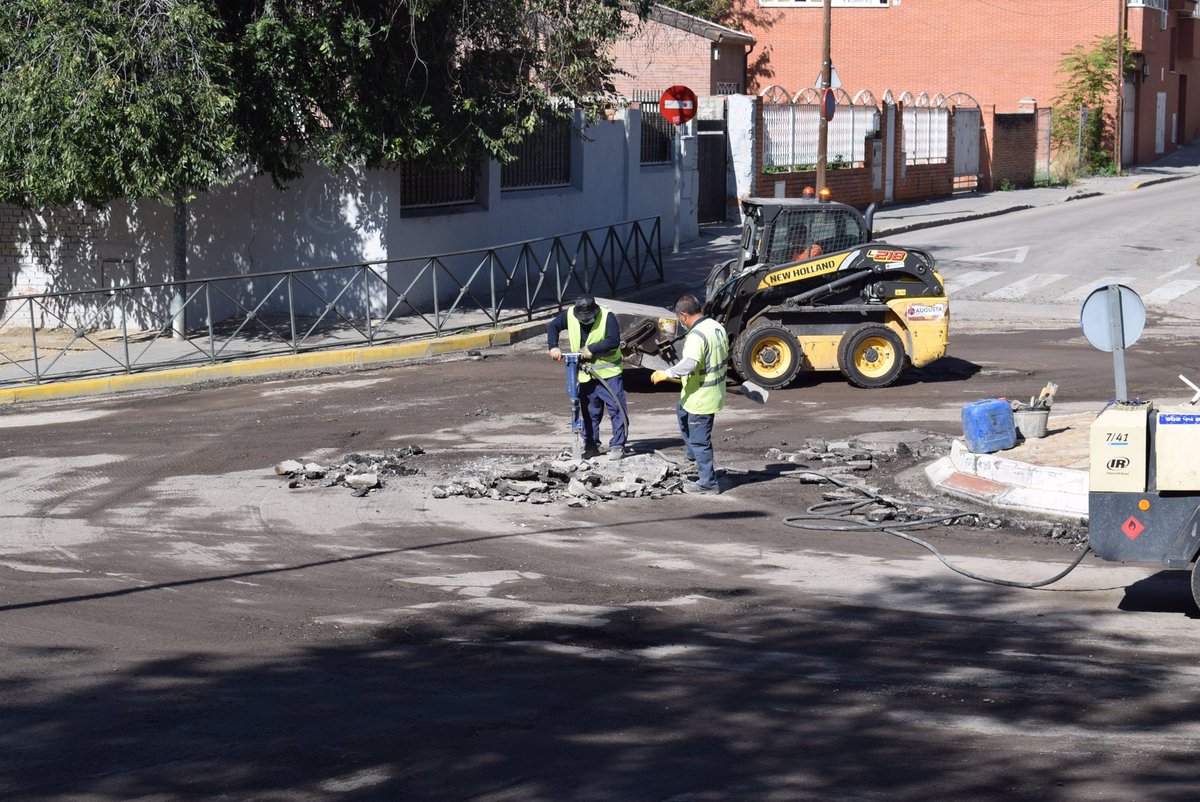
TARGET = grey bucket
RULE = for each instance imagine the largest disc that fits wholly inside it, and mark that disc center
(1031, 423)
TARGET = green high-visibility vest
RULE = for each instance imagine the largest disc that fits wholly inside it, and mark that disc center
(607, 365)
(703, 391)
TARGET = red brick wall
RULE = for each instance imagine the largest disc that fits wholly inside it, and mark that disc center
(1013, 149)
(997, 52)
(658, 56)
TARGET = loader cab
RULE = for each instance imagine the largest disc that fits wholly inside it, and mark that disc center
(781, 230)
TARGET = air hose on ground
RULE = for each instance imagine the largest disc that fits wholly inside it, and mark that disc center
(619, 399)
(835, 514)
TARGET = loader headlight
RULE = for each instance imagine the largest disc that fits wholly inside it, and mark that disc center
(667, 326)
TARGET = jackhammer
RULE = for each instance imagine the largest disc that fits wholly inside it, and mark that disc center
(575, 363)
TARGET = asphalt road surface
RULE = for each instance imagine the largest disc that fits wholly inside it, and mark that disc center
(177, 624)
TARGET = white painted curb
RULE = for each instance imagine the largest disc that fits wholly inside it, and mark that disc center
(1058, 492)
(1020, 474)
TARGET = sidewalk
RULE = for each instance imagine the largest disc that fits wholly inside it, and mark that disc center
(1045, 476)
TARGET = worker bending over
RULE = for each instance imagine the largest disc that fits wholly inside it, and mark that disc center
(702, 371)
(595, 335)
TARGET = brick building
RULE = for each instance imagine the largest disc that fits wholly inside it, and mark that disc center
(1001, 52)
(671, 47)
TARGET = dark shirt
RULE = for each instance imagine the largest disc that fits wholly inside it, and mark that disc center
(610, 342)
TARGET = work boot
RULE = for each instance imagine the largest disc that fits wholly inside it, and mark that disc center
(591, 452)
(696, 487)
(616, 453)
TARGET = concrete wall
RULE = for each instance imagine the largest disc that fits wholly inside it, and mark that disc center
(251, 227)
(997, 54)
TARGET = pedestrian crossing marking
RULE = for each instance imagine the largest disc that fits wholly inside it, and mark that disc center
(1017, 255)
(1179, 269)
(1087, 289)
(956, 283)
(1022, 288)
(1169, 292)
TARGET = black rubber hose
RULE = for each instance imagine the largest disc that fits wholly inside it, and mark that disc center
(620, 401)
(834, 512)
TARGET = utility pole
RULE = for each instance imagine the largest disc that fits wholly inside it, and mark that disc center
(1120, 123)
(826, 83)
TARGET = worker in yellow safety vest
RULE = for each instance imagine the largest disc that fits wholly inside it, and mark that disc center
(595, 335)
(702, 370)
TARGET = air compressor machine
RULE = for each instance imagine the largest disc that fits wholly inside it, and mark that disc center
(1144, 485)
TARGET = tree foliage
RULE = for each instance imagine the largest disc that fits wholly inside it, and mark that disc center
(101, 99)
(105, 99)
(721, 11)
(1090, 83)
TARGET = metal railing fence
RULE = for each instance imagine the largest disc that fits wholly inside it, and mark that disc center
(791, 128)
(926, 134)
(657, 133)
(55, 336)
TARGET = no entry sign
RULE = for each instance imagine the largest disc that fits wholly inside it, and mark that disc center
(677, 105)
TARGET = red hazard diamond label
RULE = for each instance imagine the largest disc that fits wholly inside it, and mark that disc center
(1132, 528)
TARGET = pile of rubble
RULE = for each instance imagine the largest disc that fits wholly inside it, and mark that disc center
(362, 473)
(579, 484)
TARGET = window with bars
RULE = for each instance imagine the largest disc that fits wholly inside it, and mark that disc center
(422, 186)
(542, 160)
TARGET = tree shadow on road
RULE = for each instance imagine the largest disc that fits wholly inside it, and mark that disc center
(704, 688)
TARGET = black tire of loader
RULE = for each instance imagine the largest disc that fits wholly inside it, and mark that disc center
(752, 338)
(850, 344)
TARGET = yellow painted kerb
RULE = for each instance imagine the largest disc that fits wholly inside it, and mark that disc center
(265, 366)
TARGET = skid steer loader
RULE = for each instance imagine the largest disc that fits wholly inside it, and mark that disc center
(811, 291)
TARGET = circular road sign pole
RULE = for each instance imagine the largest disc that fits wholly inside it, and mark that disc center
(1112, 319)
(677, 105)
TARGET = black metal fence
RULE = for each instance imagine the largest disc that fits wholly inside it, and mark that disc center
(657, 133)
(424, 186)
(128, 329)
(542, 160)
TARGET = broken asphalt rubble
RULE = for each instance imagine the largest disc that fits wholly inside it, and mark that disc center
(362, 473)
(580, 484)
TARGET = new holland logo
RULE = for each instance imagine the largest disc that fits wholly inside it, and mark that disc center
(1118, 464)
(800, 272)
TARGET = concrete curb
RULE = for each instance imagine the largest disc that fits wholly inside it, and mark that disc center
(1010, 484)
(963, 218)
(341, 358)
(1163, 180)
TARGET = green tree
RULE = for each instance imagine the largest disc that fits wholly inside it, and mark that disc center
(107, 99)
(1089, 83)
(721, 11)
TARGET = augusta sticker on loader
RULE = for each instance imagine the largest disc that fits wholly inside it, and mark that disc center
(811, 291)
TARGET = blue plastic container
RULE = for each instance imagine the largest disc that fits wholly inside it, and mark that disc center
(988, 426)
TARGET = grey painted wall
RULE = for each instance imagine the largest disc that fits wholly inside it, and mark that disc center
(251, 227)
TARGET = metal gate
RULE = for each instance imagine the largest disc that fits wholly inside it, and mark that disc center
(711, 157)
(968, 121)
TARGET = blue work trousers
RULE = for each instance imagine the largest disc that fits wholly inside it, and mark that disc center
(697, 439)
(594, 399)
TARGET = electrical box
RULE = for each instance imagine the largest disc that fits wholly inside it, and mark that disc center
(1120, 449)
(1177, 448)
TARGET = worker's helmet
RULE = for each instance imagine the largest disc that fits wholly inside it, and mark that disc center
(586, 310)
